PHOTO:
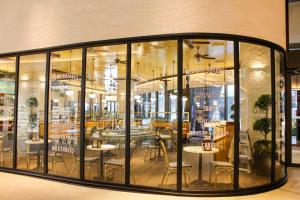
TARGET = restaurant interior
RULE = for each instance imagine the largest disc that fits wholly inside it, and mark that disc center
(207, 102)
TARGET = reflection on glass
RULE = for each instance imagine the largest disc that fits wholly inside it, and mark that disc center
(64, 113)
(7, 97)
(153, 131)
(105, 113)
(208, 95)
(30, 130)
(280, 116)
(255, 126)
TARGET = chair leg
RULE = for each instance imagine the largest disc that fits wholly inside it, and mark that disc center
(210, 173)
(162, 182)
(132, 176)
(216, 177)
(168, 173)
(105, 172)
(146, 155)
(73, 168)
(89, 169)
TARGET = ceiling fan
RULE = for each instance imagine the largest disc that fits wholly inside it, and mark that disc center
(199, 56)
(117, 60)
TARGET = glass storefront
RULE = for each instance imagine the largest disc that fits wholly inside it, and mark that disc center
(31, 101)
(7, 99)
(113, 114)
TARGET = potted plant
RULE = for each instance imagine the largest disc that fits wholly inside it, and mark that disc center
(263, 148)
(32, 103)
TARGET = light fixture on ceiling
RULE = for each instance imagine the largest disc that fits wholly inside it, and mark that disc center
(174, 94)
(92, 95)
(70, 92)
(137, 96)
(153, 99)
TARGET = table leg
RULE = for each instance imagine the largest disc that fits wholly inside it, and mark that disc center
(38, 162)
(200, 168)
(101, 165)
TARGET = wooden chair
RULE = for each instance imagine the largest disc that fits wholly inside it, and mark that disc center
(171, 167)
(116, 164)
(89, 161)
(219, 167)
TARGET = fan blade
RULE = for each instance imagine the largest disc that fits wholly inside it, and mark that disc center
(208, 57)
(201, 42)
(189, 43)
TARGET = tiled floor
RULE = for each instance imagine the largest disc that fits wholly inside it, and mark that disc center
(23, 187)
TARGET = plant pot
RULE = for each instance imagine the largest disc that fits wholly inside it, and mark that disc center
(263, 164)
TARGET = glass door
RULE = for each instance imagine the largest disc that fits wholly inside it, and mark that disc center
(295, 140)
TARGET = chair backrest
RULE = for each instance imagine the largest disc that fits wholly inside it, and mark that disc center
(8, 140)
(132, 146)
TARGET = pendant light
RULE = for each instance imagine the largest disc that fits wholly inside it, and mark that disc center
(174, 94)
(153, 99)
(70, 92)
(92, 95)
(137, 96)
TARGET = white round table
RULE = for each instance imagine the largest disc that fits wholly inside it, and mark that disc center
(104, 147)
(199, 150)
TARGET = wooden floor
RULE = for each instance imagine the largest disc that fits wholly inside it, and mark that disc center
(28, 188)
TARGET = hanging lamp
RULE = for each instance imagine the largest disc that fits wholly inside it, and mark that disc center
(92, 95)
(137, 96)
(70, 92)
(174, 94)
(153, 99)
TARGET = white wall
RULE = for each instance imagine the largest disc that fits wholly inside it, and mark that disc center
(35, 24)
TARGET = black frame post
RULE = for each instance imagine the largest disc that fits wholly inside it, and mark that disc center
(15, 149)
(127, 116)
(179, 112)
(46, 111)
(236, 114)
(273, 115)
(82, 112)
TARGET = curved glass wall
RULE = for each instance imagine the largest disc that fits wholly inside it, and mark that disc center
(64, 113)
(153, 117)
(7, 99)
(114, 114)
(208, 68)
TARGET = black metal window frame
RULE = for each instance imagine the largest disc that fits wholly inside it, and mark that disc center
(236, 39)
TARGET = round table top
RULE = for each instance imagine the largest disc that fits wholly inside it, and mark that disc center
(40, 141)
(104, 147)
(199, 150)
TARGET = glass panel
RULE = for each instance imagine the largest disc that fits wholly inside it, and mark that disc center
(153, 135)
(280, 116)
(207, 132)
(295, 119)
(105, 113)
(30, 130)
(7, 97)
(64, 113)
(255, 126)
